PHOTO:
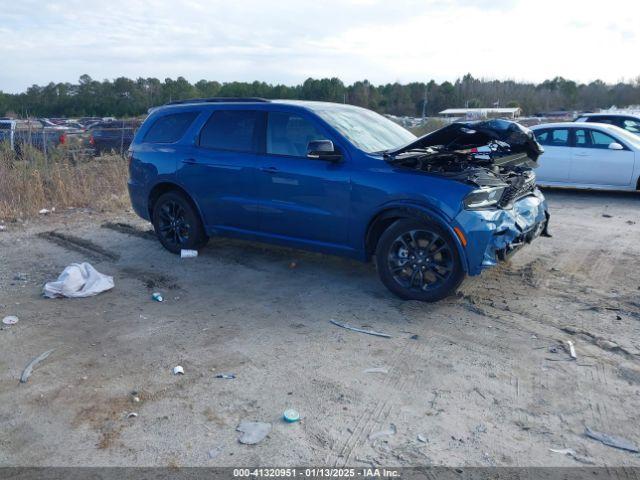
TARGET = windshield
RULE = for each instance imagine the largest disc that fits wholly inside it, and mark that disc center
(367, 130)
(628, 136)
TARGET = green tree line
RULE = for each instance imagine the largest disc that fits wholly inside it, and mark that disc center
(124, 97)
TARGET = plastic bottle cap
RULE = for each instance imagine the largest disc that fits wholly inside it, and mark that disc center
(291, 415)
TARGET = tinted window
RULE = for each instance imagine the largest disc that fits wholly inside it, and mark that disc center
(587, 138)
(289, 134)
(601, 140)
(557, 137)
(170, 128)
(542, 136)
(582, 139)
(235, 130)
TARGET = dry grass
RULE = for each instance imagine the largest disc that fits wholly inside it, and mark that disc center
(27, 186)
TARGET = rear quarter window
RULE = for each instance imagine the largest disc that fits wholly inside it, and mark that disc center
(170, 128)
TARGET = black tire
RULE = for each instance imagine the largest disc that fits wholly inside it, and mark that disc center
(418, 260)
(177, 223)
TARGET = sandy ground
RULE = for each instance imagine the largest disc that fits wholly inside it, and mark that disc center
(475, 376)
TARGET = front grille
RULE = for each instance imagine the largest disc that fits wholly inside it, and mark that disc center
(520, 187)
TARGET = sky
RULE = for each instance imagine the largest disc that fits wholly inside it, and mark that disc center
(288, 41)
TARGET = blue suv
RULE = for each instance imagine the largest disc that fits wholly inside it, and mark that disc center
(342, 180)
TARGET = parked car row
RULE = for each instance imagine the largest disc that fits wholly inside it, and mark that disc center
(98, 136)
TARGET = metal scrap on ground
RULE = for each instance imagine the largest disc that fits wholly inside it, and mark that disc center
(360, 330)
(26, 373)
(612, 441)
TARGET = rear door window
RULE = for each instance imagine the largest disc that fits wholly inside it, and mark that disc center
(170, 128)
(233, 130)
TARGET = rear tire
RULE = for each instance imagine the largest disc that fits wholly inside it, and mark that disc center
(177, 223)
(418, 260)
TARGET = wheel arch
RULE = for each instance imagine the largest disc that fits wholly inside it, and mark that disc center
(383, 219)
(165, 187)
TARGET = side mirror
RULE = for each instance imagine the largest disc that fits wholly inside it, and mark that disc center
(323, 150)
(615, 146)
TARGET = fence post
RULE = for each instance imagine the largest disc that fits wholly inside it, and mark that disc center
(44, 146)
(122, 139)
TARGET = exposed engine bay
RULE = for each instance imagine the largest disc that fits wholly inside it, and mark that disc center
(491, 153)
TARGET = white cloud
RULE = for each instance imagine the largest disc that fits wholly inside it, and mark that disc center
(288, 41)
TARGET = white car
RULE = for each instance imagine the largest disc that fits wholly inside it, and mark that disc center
(626, 121)
(588, 155)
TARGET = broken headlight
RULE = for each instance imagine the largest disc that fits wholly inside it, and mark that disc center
(485, 197)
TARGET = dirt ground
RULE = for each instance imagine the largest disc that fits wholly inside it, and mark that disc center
(478, 379)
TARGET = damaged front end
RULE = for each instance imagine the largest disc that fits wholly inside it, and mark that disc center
(505, 210)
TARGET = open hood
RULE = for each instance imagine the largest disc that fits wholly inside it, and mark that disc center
(484, 140)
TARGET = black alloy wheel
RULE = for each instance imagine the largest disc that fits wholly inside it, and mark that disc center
(177, 224)
(418, 260)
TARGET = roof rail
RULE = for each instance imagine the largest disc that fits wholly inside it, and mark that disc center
(218, 100)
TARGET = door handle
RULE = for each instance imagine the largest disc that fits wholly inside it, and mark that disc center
(189, 161)
(269, 169)
(582, 154)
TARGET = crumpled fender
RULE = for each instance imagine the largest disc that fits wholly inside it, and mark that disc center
(490, 231)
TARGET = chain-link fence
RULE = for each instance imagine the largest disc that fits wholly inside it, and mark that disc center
(27, 139)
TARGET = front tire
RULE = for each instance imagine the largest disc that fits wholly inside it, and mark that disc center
(418, 260)
(177, 223)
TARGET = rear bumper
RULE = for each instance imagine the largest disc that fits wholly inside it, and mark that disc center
(139, 195)
(494, 235)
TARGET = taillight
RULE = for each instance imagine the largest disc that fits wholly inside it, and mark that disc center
(91, 140)
(62, 139)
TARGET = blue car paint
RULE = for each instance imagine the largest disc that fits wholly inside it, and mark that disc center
(315, 205)
(489, 231)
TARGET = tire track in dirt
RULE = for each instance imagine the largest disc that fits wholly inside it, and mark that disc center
(367, 419)
(128, 229)
(80, 245)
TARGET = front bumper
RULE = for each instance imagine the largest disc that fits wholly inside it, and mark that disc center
(493, 235)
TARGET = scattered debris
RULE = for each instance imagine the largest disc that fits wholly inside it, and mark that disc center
(360, 330)
(26, 373)
(477, 390)
(10, 320)
(293, 265)
(132, 415)
(571, 453)
(290, 415)
(178, 370)
(157, 296)
(598, 341)
(606, 215)
(376, 370)
(572, 349)
(422, 438)
(44, 211)
(3, 228)
(78, 280)
(414, 337)
(612, 441)
(185, 253)
(392, 430)
(214, 452)
(226, 376)
(135, 399)
(20, 277)
(253, 432)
